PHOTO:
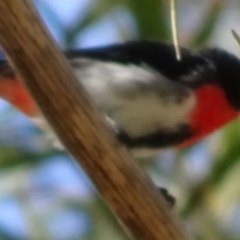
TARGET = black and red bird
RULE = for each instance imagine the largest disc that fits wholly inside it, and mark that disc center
(151, 99)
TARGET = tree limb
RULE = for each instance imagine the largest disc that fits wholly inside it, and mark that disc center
(126, 189)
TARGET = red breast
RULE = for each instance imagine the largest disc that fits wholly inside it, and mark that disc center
(212, 112)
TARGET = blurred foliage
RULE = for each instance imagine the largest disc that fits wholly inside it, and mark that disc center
(39, 198)
(209, 22)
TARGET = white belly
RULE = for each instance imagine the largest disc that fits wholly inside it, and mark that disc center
(138, 99)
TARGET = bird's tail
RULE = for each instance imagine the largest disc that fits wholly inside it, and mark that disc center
(13, 91)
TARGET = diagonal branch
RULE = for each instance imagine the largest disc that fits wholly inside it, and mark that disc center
(129, 192)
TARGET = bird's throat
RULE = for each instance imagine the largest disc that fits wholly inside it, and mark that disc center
(213, 111)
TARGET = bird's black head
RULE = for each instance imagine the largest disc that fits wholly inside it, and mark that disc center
(227, 73)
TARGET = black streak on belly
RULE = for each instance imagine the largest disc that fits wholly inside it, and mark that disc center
(158, 139)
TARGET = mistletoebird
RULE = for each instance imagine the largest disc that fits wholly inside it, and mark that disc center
(151, 100)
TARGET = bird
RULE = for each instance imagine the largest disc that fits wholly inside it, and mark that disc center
(151, 100)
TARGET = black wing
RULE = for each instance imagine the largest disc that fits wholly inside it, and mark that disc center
(159, 56)
(193, 69)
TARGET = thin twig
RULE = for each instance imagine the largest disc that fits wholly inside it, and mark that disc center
(236, 36)
(174, 29)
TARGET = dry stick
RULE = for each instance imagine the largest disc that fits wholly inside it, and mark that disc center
(129, 192)
(173, 10)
